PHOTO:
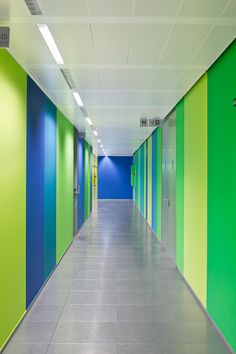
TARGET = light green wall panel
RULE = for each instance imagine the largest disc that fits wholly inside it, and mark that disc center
(13, 84)
(65, 167)
(149, 181)
(180, 185)
(195, 188)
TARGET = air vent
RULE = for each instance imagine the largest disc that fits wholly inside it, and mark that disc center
(33, 7)
(83, 110)
(67, 76)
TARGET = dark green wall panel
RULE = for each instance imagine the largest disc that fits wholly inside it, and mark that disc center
(221, 275)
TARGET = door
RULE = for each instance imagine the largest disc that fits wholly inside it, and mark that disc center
(75, 182)
(169, 185)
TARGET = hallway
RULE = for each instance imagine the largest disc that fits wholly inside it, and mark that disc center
(116, 291)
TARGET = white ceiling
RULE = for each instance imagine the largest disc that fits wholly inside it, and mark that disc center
(128, 58)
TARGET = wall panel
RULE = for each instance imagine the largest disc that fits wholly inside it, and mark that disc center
(180, 185)
(221, 290)
(13, 83)
(81, 179)
(50, 134)
(34, 191)
(195, 188)
(64, 177)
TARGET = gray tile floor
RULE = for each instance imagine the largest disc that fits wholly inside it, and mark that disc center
(116, 291)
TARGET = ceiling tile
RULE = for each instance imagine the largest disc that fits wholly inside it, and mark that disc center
(75, 42)
(90, 98)
(230, 11)
(86, 79)
(156, 7)
(10, 8)
(138, 79)
(164, 79)
(63, 8)
(29, 54)
(220, 37)
(112, 79)
(50, 79)
(146, 43)
(188, 79)
(202, 8)
(110, 7)
(111, 42)
(183, 42)
(154, 98)
(134, 98)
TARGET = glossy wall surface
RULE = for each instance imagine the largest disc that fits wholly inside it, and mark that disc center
(114, 177)
(13, 83)
(205, 191)
(36, 186)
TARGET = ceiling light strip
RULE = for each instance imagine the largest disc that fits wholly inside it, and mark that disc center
(51, 43)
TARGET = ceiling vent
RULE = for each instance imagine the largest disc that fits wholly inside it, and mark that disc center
(69, 80)
(33, 7)
(83, 110)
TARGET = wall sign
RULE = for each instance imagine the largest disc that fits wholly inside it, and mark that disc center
(4, 37)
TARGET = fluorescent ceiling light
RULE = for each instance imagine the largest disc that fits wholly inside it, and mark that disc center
(78, 99)
(95, 133)
(89, 121)
(51, 43)
(101, 146)
(99, 140)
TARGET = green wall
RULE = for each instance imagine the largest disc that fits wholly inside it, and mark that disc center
(205, 190)
(149, 180)
(65, 167)
(221, 289)
(195, 188)
(13, 82)
(180, 185)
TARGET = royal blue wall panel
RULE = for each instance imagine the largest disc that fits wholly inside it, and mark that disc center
(34, 191)
(50, 188)
(80, 182)
(114, 177)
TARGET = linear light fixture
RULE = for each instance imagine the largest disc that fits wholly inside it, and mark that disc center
(99, 140)
(51, 43)
(95, 133)
(77, 98)
(89, 121)
(101, 146)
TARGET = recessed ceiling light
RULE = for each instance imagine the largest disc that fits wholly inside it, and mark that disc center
(78, 99)
(95, 133)
(51, 43)
(99, 140)
(101, 146)
(89, 121)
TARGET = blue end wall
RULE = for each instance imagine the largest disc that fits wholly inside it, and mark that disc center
(114, 177)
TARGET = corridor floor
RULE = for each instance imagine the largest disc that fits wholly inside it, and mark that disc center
(116, 291)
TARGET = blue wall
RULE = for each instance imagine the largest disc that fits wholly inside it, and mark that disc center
(114, 177)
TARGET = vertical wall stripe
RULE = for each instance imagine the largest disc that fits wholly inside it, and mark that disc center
(144, 178)
(35, 191)
(159, 183)
(221, 276)
(50, 188)
(65, 165)
(81, 179)
(149, 181)
(13, 83)
(195, 188)
(154, 180)
(180, 185)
